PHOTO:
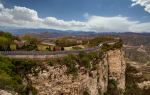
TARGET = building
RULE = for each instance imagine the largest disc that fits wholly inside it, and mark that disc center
(46, 46)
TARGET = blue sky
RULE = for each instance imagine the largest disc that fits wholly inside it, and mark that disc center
(88, 15)
(74, 9)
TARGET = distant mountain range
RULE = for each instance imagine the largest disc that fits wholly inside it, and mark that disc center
(48, 32)
(57, 33)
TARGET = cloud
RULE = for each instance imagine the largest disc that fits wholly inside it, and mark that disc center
(28, 18)
(65, 25)
(24, 14)
(144, 3)
(17, 16)
(141, 27)
(107, 24)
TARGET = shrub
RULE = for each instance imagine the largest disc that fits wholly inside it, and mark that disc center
(82, 54)
(93, 55)
(51, 63)
(70, 62)
(12, 73)
(86, 62)
(112, 88)
(131, 82)
(96, 41)
(116, 45)
(64, 42)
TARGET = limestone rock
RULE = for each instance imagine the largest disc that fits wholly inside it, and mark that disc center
(55, 81)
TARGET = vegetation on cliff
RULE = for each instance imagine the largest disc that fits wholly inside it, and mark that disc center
(116, 45)
(131, 82)
(112, 88)
(97, 40)
(12, 73)
(74, 62)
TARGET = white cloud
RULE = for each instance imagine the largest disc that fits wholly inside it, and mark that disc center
(141, 27)
(73, 25)
(23, 13)
(114, 24)
(28, 18)
(18, 16)
(144, 3)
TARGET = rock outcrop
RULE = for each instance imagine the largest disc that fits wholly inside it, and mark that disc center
(54, 81)
(4, 92)
(117, 67)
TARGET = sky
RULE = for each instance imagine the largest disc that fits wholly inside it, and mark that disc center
(77, 15)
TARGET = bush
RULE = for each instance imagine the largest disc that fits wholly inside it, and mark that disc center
(85, 59)
(117, 45)
(131, 82)
(93, 55)
(82, 54)
(86, 62)
(64, 42)
(70, 62)
(96, 41)
(112, 88)
(12, 73)
(51, 63)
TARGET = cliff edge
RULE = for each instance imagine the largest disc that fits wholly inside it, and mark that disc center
(109, 69)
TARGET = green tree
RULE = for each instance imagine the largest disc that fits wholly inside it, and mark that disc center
(5, 40)
(5, 43)
(31, 42)
(64, 42)
(62, 49)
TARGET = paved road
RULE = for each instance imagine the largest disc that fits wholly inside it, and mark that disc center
(48, 52)
(42, 55)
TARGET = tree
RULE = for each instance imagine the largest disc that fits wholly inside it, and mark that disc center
(62, 48)
(63, 42)
(5, 40)
(54, 49)
(4, 43)
(96, 41)
(31, 42)
(48, 48)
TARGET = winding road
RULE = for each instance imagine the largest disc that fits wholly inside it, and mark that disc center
(42, 55)
(45, 54)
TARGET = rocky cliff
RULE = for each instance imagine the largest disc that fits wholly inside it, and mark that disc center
(53, 80)
(117, 67)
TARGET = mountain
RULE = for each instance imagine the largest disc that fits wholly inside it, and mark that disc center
(48, 33)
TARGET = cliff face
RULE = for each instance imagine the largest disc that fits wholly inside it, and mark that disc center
(53, 80)
(117, 66)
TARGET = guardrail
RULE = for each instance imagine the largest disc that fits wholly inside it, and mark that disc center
(46, 52)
